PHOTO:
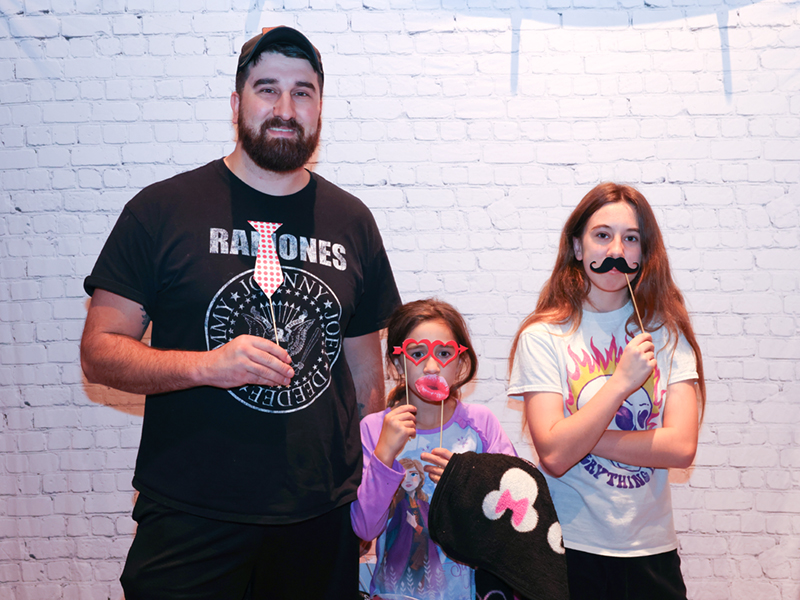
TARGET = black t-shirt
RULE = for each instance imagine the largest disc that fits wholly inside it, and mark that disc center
(183, 249)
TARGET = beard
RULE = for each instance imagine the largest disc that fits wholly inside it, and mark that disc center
(280, 155)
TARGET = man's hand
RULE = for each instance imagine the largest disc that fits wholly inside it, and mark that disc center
(244, 360)
(112, 354)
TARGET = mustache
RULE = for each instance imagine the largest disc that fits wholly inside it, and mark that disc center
(614, 263)
(278, 122)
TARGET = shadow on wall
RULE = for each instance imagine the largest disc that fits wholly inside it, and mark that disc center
(573, 17)
(132, 404)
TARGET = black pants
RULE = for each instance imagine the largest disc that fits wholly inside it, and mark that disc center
(595, 577)
(178, 556)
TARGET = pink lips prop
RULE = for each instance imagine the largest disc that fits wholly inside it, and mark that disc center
(432, 388)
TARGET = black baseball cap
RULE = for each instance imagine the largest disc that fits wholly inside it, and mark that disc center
(280, 35)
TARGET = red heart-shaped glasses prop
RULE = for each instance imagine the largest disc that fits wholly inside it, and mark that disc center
(431, 346)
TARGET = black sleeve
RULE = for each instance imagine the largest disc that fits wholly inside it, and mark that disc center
(125, 266)
(379, 299)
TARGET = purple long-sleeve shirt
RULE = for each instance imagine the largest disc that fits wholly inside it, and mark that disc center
(473, 427)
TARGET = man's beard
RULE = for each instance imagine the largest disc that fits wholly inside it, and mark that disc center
(280, 155)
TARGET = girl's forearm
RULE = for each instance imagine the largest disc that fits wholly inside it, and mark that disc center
(672, 445)
(563, 442)
(369, 513)
(660, 448)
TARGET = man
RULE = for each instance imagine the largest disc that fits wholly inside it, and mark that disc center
(250, 452)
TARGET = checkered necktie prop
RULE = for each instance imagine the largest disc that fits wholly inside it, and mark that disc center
(268, 274)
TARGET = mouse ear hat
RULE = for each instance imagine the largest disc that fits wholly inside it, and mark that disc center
(494, 512)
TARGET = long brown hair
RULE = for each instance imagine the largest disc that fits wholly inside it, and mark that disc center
(402, 323)
(659, 300)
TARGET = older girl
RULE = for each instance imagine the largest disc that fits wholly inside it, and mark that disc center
(611, 408)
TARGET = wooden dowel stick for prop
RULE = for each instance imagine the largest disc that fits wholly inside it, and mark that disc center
(441, 424)
(405, 374)
(274, 324)
(636, 308)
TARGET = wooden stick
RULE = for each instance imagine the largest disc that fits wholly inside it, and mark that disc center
(441, 421)
(274, 324)
(405, 374)
(636, 308)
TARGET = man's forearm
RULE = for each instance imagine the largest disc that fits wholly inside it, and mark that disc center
(126, 364)
(370, 389)
(372, 396)
(364, 359)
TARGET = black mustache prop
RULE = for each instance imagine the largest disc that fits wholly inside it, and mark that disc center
(620, 265)
(614, 263)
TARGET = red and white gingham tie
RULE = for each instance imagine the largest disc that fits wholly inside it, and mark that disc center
(268, 274)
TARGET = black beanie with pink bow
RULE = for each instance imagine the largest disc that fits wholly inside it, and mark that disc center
(494, 512)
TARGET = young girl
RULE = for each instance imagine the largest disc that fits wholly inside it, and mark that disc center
(430, 354)
(610, 408)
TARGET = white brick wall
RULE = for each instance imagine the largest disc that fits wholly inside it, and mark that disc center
(470, 157)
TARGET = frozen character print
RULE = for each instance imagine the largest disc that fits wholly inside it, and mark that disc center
(411, 560)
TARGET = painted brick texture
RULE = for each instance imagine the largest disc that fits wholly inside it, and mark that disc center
(470, 129)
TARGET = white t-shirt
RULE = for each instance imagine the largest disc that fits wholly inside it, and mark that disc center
(605, 507)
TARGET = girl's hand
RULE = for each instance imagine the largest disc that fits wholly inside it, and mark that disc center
(637, 363)
(399, 426)
(438, 457)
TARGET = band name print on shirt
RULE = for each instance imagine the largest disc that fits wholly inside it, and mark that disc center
(308, 322)
(288, 246)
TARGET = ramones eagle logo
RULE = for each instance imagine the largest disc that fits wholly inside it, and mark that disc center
(307, 319)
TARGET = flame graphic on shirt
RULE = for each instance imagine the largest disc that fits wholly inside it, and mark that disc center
(601, 364)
